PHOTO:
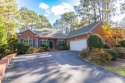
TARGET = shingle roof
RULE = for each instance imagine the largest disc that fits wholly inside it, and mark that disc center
(54, 33)
(83, 30)
(49, 32)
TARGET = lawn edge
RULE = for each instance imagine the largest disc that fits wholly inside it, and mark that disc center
(100, 66)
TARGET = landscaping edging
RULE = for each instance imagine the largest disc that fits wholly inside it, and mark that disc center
(100, 66)
(4, 62)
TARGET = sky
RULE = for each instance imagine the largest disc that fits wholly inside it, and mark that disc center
(53, 9)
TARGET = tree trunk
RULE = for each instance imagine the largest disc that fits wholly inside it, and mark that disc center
(95, 19)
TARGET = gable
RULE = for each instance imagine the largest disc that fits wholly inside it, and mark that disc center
(98, 29)
(28, 33)
(83, 30)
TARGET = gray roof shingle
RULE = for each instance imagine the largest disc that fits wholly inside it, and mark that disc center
(54, 33)
(49, 33)
(83, 30)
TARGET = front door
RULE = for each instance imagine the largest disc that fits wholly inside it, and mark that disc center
(51, 44)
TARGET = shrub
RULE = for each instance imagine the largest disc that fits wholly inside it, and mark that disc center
(23, 48)
(60, 48)
(112, 53)
(117, 45)
(106, 46)
(99, 56)
(122, 43)
(3, 50)
(95, 41)
(12, 43)
(63, 47)
(34, 50)
(45, 45)
(84, 53)
(120, 51)
(66, 47)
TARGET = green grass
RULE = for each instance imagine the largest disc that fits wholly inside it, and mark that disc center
(120, 70)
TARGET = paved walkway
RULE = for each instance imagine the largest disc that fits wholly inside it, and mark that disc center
(57, 67)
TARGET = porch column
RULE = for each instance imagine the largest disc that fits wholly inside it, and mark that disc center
(55, 42)
(36, 43)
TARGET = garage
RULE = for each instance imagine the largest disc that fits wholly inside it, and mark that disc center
(78, 45)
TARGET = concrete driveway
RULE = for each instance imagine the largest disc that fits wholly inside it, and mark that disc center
(57, 67)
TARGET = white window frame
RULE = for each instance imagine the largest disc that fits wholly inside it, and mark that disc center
(31, 43)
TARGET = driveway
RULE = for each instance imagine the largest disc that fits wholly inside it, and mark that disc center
(57, 67)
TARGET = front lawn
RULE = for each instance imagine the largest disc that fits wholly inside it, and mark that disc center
(120, 70)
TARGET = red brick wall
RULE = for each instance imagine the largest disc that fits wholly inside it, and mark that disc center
(28, 34)
(77, 38)
(98, 30)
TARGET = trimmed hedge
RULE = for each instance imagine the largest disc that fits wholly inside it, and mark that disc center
(95, 41)
(112, 53)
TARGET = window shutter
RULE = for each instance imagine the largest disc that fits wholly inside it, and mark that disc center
(39, 43)
(65, 42)
(21, 40)
(33, 43)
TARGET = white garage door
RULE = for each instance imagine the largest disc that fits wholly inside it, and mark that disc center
(78, 45)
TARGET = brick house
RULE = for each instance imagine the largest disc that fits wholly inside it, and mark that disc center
(77, 39)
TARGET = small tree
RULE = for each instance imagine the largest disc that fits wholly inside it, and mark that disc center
(12, 43)
(95, 41)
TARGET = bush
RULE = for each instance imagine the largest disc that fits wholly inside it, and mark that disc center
(63, 47)
(45, 45)
(117, 45)
(12, 44)
(3, 50)
(99, 56)
(34, 50)
(66, 47)
(122, 43)
(84, 53)
(95, 41)
(106, 46)
(120, 51)
(112, 53)
(23, 48)
(60, 48)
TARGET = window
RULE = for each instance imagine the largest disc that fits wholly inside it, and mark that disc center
(31, 42)
(42, 42)
(61, 42)
(25, 40)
